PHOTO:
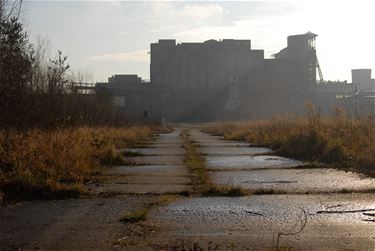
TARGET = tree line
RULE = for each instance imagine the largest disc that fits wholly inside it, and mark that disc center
(37, 90)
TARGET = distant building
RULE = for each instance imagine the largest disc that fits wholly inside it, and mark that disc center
(211, 64)
(356, 98)
(227, 79)
(131, 95)
(362, 78)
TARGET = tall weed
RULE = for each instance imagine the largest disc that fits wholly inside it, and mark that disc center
(336, 139)
(49, 162)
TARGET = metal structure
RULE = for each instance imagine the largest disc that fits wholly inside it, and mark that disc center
(321, 79)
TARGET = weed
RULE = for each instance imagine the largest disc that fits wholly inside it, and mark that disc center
(131, 154)
(223, 190)
(136, 216)
(47, 163)
(261, 191)
(196, 164)
(142, 214)
(337, 140)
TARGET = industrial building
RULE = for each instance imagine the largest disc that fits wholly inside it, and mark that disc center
(356, 98)
(227, 79)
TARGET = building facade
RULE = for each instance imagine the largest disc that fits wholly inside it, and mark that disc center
(227, 79)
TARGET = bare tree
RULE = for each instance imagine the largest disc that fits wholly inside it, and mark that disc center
(36, 90)
(10, 9)
(40, 56)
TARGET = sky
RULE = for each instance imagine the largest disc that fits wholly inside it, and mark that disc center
(113, 37)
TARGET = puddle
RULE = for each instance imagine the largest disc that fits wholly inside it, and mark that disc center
(165, 145)
(152, 170)
(250, 162)
(222, 144)
(157, 151)
(138, 188)
(204, 137)
(234, 150)
(169, 140)
(157, 180)
(157, 160)
(295, 180)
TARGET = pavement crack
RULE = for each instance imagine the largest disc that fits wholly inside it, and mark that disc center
(254, 213)
(345, 211)
(369, 214)
(271, 182)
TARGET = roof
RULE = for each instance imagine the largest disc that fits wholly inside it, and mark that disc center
(311, 35)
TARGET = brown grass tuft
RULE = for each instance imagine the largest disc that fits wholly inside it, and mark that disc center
(58, 161)
(195, 163)
(336, 139)
(135, 216)
(224, 190)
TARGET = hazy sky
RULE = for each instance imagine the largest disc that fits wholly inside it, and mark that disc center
(111, 37)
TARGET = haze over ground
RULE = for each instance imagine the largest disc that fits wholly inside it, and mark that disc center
(109, 37)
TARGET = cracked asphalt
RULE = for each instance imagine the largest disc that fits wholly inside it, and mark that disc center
(304, 208)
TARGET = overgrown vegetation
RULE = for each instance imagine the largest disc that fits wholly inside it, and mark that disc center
(57, 162)
(142, 213)
(136, 216)
(338, 140)
(201, 184)
(195, 163)
(40, 90)
(52, 136)
(224, 190)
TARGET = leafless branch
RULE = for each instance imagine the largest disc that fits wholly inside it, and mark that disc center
(291, 232)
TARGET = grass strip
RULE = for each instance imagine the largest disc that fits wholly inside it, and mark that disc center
(200, 180)
(142, 213)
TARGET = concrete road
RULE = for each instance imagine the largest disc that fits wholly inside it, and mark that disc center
(301, 208)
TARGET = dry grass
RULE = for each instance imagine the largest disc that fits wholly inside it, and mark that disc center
(337, 140)
(57, 162)
(195, 163)
(142, 213)
(136, 216)
(224, 190)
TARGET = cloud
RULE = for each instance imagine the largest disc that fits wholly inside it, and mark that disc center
(123, 33)
(260, 30)
(202, 12)
(135, 56)
(187, 14)
(166, 28)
